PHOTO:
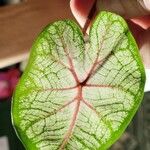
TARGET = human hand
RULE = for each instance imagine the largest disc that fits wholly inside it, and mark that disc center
(136, 12)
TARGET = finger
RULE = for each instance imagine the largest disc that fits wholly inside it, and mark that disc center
(81, 9)
(144, 21)
(126, 8)
(145, 47)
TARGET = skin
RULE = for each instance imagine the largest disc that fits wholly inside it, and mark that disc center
(136, 13)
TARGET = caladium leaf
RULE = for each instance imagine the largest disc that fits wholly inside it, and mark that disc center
(75, 95)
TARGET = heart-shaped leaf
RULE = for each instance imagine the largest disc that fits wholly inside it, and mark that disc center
(75, 95)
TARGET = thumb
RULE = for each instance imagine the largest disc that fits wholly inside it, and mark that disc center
(125, 8)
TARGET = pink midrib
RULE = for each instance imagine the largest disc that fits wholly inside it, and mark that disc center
(79, 96)
(74, 118)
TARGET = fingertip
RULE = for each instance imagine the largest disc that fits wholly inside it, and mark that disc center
(82, 6)
(80, 9)
(143, 21)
